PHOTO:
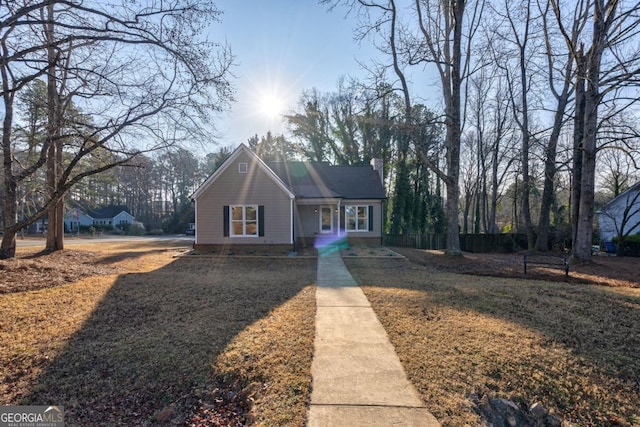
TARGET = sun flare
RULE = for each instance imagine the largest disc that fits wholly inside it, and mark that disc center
(271, 105)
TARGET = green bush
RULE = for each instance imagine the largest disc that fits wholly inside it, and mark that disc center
(95, 229)
(136, 230)
(631, 245)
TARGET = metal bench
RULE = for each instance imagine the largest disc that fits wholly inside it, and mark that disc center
(534, 258)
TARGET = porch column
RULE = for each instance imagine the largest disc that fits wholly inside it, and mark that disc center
(338, 217)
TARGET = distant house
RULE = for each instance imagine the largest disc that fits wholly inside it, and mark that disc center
(112, 216)
(40, 226)
(621, 215)
(250, 202)
(191, 231)
(76, 218)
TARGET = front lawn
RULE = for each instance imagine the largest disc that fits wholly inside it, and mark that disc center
(571, 347)
(158, 340)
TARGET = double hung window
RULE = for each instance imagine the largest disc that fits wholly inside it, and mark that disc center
(244, 220)
(356, 218)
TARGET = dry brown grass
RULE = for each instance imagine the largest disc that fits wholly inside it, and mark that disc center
(603, 270)
(139, 337)
(163, 342)
(572, 347)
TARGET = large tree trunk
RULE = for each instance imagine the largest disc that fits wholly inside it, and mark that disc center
(453, 187)
(55, 238)
(548, 194)
(584, 231)
(526, 143)
(493, 226)
(477, 219)
(542, 240)
(465, 212)
(578, 136)
(10, 202)
(453, 133)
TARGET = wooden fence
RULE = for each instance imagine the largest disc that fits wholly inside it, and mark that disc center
(477, 243)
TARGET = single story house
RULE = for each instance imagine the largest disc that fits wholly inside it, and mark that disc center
(111, 216)
(75, 218)
(249, 202)
(620, 214)
(38, 227)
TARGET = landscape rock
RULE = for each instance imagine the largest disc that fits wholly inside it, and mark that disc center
(165, 415)
(538, 411)
(500, 412)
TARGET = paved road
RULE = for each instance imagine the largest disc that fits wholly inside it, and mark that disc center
(36, 241)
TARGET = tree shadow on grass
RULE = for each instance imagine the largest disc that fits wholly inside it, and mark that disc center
(129, 255)
(151, 342)
(572, 346)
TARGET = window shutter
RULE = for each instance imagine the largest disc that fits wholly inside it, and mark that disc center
(370, 218)
(225, 221)
(261, 220)
(342, 227)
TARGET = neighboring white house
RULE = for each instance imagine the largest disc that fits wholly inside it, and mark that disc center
(76, 218)
(109, 216)
(38, 227)
(620, 214)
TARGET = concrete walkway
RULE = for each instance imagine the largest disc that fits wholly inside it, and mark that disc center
(357, 377)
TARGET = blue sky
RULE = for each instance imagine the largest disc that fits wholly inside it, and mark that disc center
(282, 47)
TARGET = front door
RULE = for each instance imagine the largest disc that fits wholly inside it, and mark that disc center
(326, 220)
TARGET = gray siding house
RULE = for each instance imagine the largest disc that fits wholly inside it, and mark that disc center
(620, 215)
(249, 202)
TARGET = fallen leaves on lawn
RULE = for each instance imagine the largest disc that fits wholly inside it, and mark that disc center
(571, 347)
(28, 272)
(225, 403)
(603, 270)
(139, 348)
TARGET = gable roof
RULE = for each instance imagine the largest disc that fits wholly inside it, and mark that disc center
(309, 180)
(322, 180)
(110, 211)
(242, 149)
(635, 187)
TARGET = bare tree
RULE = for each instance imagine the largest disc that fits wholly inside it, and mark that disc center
(442, 25)
(490, 110)
(518, 37)
(489, 118)
(608, 60)
(469, 179)
(139, 72)
(502, 148)
(438, 33)
(562, 96)
(311, 126)
(620, 167)
(478, 95)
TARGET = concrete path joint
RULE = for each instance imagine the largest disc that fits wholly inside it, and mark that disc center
(358, 379)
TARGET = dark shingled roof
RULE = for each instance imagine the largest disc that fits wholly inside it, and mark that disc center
(322, 180)
(108, 211)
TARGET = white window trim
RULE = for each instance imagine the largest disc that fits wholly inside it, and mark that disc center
(346, 219)
(243, 167)
(244, 221)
